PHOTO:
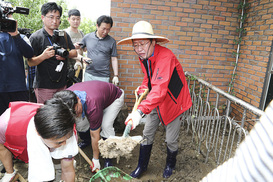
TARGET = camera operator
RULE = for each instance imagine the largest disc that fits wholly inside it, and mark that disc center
(13, 47)
(50, 53)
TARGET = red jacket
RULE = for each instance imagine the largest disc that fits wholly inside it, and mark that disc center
(16, 139)
(169, 92)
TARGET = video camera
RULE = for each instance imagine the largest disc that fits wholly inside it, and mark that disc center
(58, 49)
(6, 24)
(25, 31)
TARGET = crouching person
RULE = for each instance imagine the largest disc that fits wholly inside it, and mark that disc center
(99, 102)
(37, 134)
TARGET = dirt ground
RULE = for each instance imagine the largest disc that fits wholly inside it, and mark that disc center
(190, 165)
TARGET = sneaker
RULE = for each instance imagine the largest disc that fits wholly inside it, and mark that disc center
(83, 145)
(9, 177)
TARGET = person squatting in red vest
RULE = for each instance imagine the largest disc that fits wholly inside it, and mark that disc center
(36, 133)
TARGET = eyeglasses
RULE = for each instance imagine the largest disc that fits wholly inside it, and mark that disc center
(57, 18)
(141, 44)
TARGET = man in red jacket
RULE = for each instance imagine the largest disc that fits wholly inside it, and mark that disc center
(168, 94)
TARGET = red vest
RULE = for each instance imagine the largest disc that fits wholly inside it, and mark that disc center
(16, 139)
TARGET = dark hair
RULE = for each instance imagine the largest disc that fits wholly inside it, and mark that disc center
(74, 12)
(105, 19)
(51, 6)
(68, 97)
(54, 119)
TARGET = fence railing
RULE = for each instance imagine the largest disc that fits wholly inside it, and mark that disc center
(217, 120)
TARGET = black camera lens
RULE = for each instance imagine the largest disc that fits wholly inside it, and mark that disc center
(62, 52)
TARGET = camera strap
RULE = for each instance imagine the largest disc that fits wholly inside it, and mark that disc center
(57, 69)
(65, 37)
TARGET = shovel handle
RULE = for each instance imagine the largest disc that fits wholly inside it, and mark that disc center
(87, 159)
(139, 99)
(77, 71)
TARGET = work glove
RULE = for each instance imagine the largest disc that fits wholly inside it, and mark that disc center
(134, 118)
(96, 165)
(141, 89)
(115, 80)
(78, 63)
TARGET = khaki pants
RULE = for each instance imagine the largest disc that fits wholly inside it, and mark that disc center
(172, 130)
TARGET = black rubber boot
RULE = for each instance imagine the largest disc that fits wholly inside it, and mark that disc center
(107, 161)
(143, 161)
(170, 163)
(86, 139)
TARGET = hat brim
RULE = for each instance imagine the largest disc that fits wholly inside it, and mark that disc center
(159, 39)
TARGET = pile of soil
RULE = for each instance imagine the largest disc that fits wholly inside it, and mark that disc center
(190, 165)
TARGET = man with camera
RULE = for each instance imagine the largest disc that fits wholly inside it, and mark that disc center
(52, 48)
(13, 47)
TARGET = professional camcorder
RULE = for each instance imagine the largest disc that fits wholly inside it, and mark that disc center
(25, 31)
(6, 24)
(58, 49)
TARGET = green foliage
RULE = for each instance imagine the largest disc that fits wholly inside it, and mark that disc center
(33, 20)
(87, 26)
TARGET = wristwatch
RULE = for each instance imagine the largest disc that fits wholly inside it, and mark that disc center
(141, 113)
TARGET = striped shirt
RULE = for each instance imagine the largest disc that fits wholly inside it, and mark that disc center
(253, 160)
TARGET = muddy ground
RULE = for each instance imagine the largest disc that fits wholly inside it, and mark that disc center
(190, 165)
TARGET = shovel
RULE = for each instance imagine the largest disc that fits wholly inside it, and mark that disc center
(129, 125)
(113, 173)
(121, 146)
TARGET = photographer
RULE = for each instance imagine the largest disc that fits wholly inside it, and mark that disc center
(13, 47)
(50, 54)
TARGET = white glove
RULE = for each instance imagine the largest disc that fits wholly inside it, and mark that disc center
(96, 164)
(115, 80)
(78, 63)
(135, 117)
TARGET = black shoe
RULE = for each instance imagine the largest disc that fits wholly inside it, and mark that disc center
(83, 145)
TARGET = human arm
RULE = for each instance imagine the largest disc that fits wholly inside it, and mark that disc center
(22, 43)
(95, 137)
(115, 79)
(163, 69)
(36, 60)
(68, 171)
(73, 53)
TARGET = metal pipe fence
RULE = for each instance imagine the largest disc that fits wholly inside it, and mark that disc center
(217, 121)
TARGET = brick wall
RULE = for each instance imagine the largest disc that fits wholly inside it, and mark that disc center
(201, 34)
(255, 49)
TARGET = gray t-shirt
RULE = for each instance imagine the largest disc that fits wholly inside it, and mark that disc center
(75, 37)
(100, 51)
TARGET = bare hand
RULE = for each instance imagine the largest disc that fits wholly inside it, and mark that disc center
(49, 52)
(77, 45)
(87, 60)
(59, 57)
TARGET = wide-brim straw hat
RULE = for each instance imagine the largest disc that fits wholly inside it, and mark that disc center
(143, 30)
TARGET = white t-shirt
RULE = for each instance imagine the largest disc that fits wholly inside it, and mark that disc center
(41, 167)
